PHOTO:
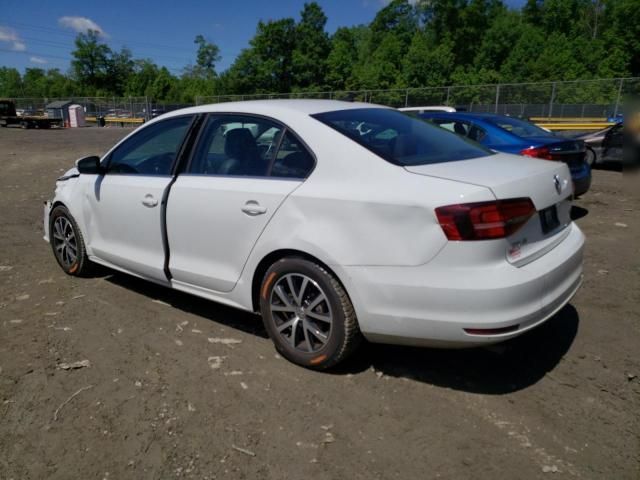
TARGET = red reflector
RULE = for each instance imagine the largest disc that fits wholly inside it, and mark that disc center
(538, 152)
(491, 331)
(484, 220)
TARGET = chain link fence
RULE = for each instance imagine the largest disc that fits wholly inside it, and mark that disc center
(110, 108)
(574, 99)
(579, 99)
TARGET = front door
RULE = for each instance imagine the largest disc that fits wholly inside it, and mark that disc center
(241, 171)
(124, 215)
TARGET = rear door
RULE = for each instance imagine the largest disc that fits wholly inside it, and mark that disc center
(124, 214)
(242, 169)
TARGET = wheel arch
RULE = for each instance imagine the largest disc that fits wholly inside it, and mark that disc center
(593, 151)
(58, 203)
(275, 256)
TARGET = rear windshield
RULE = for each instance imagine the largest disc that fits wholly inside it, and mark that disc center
(519, 127)
(401, 139)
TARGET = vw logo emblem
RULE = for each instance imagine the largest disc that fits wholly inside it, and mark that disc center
(557, 183)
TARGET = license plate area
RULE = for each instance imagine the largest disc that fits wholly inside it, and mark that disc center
(549, 219)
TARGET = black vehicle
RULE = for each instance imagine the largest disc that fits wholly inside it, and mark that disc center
(605, 145)
(9, 116)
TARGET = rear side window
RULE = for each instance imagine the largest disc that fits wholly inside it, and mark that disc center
(466, 129)
(243, 145)
(236, 145)
(293, 160)
(519, 127)
(401, 139)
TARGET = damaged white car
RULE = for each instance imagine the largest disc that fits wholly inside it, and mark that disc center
(336, 221)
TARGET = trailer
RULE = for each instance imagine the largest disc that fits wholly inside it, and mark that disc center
(8, 117)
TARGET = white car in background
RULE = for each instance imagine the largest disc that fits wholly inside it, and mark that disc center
(336, 221)
(417, 110)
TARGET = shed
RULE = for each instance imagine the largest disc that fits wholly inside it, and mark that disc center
(59, 110)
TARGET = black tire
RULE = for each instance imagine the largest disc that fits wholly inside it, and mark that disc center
(591, 158)
(78, 264)
(343, 336)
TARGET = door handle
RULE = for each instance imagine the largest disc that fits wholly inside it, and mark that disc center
(253, 208)
(149, 200)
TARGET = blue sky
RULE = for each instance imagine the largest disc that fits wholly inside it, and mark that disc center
(40, 33)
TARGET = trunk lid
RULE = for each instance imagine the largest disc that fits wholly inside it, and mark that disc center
(507, 176)
(547, 183)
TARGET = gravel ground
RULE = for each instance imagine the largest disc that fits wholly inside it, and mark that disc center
(164, 397)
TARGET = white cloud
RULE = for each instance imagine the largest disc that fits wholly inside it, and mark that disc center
(10, 36)
(38, 60)
(81, 25)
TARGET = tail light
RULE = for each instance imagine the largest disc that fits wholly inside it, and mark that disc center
(538, 152)
(485, 220)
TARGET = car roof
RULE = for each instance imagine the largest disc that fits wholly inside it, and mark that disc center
(274, 107)
(467, 115)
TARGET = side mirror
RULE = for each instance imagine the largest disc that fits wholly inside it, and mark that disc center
(89, 165)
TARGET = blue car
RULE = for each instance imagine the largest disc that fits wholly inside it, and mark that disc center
(511, 135)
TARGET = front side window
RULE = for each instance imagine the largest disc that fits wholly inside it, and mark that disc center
(153, 150)
(236, 145)
(399, 138)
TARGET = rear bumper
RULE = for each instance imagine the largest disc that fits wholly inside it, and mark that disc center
(433, 304)
(581, 180)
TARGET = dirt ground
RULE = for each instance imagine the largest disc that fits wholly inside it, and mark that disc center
(162, 398)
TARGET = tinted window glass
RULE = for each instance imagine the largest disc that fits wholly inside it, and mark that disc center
(236, 145)
(399, 138)
(151, 151)
(466, 129)
(519, 127)
(293, 160)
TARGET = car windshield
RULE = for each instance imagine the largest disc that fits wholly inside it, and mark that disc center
(519, 127)
(399, 138)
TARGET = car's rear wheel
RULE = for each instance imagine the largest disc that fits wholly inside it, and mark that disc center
(308, 314)
(67, 242)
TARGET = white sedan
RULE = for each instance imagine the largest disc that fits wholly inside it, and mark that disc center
(399, 232)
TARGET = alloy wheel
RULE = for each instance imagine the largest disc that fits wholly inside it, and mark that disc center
(64, 241)
(301, 312)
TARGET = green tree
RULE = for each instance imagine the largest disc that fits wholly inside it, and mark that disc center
(10, 82)
(398, 18)
(164, 87)
(340, 61)
(35, 82)
(621, 29)
(140, 80)
(120, 67)
(311, 49)
(426, 64)
(206, 57)
(266, 66)
(90, 62)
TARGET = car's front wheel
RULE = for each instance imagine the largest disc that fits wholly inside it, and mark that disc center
(308, 314)
(67, 242)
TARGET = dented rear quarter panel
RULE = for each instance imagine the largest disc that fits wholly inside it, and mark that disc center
(358, 209)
